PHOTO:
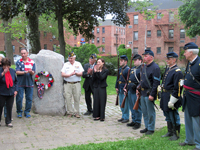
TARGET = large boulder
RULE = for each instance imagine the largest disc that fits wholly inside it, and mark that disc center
(52, 102)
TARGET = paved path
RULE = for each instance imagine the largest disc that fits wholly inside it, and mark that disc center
(46, 132)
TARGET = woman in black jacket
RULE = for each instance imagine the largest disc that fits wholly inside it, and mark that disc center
(100, 96)
(8, 89)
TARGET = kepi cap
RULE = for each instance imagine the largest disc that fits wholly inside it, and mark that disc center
(148, 51)
(190, 45)
(172, 55)
(124, 57)
(137, 56)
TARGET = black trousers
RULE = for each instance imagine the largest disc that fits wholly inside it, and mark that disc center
(9, 105)
(100, 98)
(88, 99)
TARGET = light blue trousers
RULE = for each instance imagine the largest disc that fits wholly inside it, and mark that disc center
(135, 114)
(170, 117)
(192, 129)
(125, 110)
(149, 113)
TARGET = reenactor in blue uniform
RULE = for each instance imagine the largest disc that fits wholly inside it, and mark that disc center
(150, 79)
(122, 81)
(170, 97)
(191, 96)
(133, 82)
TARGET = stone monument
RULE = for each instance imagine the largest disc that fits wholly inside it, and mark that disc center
(52, 101)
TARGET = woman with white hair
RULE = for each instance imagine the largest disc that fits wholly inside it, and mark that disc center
(1, 57)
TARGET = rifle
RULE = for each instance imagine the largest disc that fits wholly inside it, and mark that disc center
(126, 85)
(163, 75)
(135, 107)
(116, 103)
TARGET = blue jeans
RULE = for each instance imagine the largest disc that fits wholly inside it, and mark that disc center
(19, 99)
(125, 110)
(149, 113)
(136, 114)
(192, 129)
(170, 117)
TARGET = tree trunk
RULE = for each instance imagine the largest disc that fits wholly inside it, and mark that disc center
(60, 27)
(8, 40)
(34, 34)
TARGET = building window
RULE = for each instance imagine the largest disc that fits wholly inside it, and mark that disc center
(103, 49)
(20, 49)
(116, 39)
(97, 30)
(124, 33)
(98, 40)
(121, 31)
(92, 31)
(45, 34)
(45, 46)
(116, 30)
(13, 47)
(103, 39)
(121, 40)
(103, 30)
(148, 33)
(148, 47)
(135, 19)
(135, 50)
(182, 33)
(158, 33)
(171, 17)
(158, 50)
(129, 42)
(92, 40)
(135, 35)
(170, 49)
(159, 16)
(54, 47)
(74, 37)
(171, 34)
(130, 26)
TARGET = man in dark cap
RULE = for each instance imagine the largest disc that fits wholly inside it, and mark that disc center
(150, 79)
(88, 84)
(191, 96)
(119, 89)
(72, 72)
(133, 82)
(170, 97)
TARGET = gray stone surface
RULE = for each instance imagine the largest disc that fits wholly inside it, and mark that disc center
(52, 102)
(47, 132)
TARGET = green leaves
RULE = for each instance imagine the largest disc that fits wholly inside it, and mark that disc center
(189, 14)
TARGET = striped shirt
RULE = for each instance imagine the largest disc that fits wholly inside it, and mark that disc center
(25, 80)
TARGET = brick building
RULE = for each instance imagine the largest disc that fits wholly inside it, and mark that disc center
(47, 41)
(107, 34)
(163, 33)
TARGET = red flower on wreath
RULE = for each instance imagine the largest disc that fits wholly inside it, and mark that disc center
(36, 76)
(49, 85)
(47, 75)
(51, 81)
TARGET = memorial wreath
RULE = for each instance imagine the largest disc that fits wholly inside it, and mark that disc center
(42, 86)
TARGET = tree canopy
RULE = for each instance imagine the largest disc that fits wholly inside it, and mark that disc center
(189, 14)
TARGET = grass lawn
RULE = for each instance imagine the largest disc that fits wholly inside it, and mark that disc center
(111, 80)
(150, 142)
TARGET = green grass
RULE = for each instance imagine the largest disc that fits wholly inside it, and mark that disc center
(111, 80)
(151, 142)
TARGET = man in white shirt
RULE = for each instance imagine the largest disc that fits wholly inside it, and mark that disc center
(72, 72)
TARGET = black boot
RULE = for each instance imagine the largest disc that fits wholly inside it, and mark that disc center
(170, 130)
(176, 133)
